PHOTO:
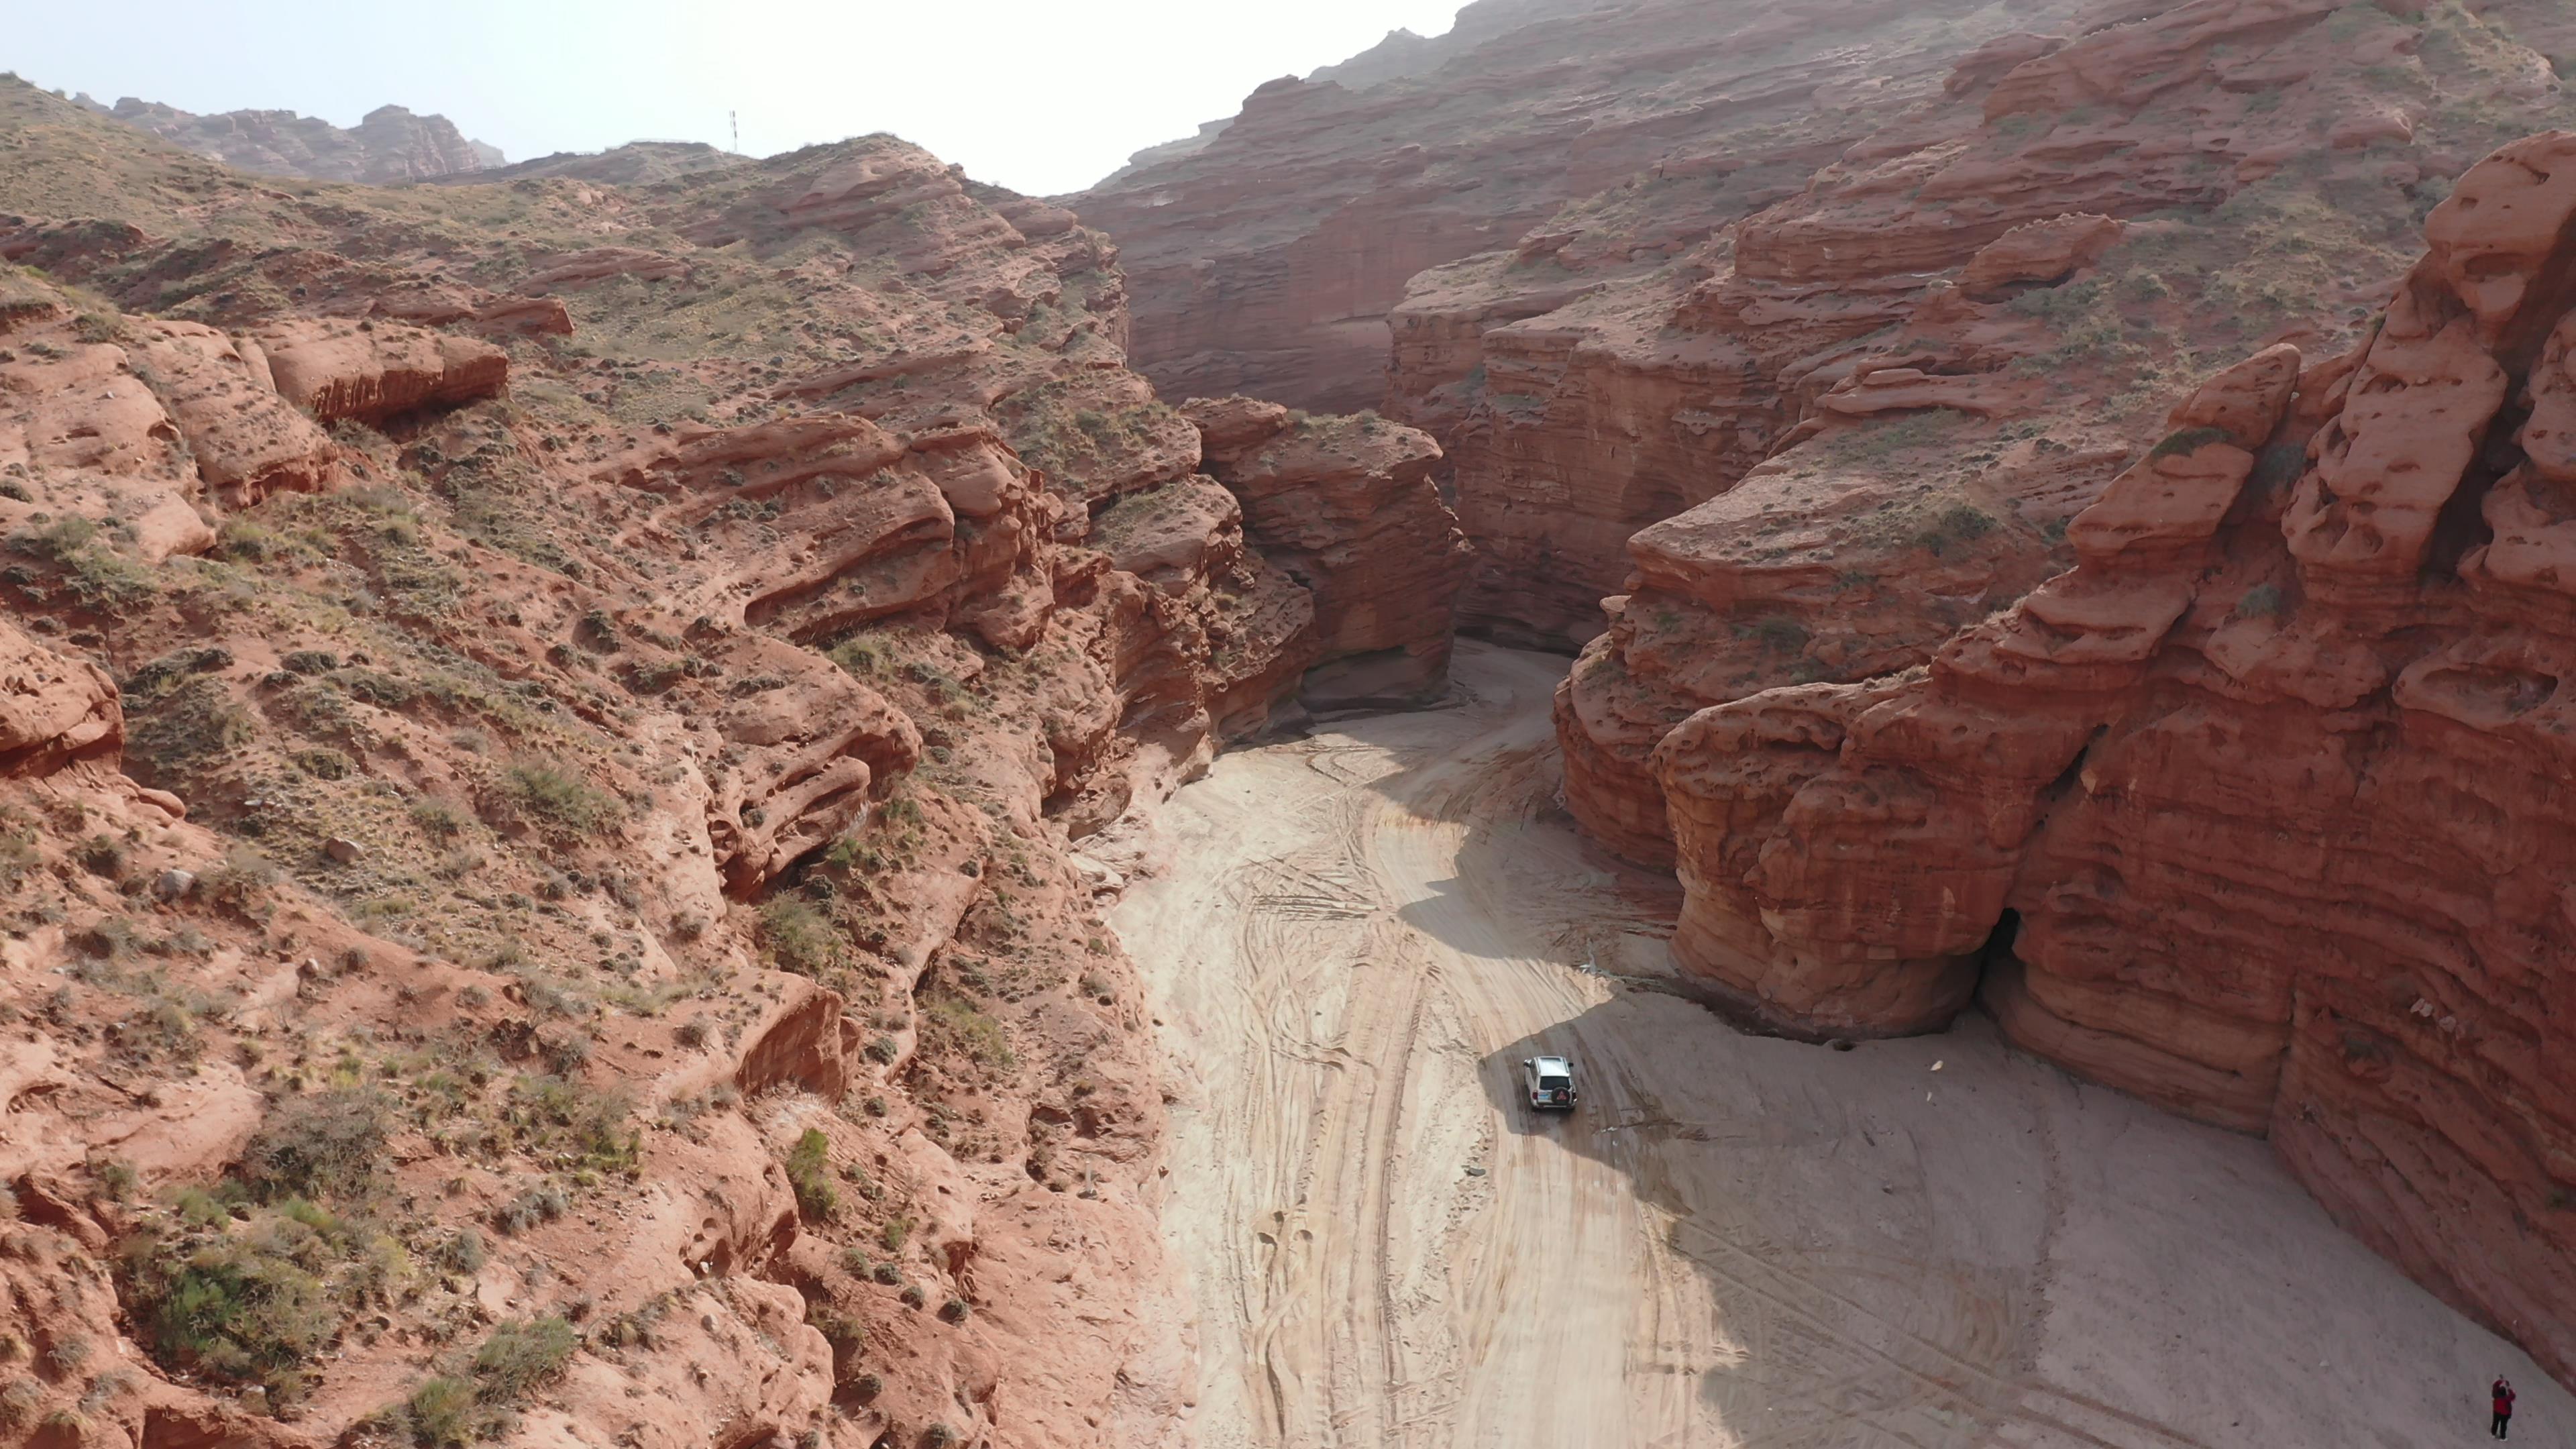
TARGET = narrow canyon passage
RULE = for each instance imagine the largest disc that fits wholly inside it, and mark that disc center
(1353, 940)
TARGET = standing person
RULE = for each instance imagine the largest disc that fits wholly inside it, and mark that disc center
(2503, 1395)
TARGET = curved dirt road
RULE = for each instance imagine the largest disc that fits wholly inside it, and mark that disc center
(1930, 1243)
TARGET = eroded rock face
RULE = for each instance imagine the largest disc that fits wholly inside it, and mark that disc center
(1346, 506)
(1916, 371)
(373, 371)
(645, 768)
(151, 428)
(1267, 258)
(2260, 811)
(53, 710)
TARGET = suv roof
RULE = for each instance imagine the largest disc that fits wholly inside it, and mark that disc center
(1551, 1066)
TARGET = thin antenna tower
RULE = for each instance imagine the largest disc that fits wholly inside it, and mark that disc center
(736, 118)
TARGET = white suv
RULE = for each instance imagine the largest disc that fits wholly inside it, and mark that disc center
(1549, 1082)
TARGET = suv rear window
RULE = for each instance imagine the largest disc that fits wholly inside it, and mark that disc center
(1554, 1084)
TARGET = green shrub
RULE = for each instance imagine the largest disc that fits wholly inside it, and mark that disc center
(443, 1414)
(809, 1172)
(58, 540)
(862, 657)
(2263, 601)
(520, 1358)
(18, 857)
(464, 1252)
(1957, 524)
(117, 1177)
(558, 1116)
(18, 1403)
(324, 763)
(894, 1232)
(1780, 634)
(246, 1304)
(958, 1024)
(330, 1145)
(843, 1331)
(102, 856)
(798, 937)
(174, 732)
(540, 1204)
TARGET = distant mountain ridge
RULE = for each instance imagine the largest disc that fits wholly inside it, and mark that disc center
(389, 144)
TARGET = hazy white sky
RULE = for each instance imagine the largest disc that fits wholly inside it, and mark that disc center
(1044, 96)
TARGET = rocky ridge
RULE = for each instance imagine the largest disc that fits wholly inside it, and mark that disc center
(565, 747)
(389, 144)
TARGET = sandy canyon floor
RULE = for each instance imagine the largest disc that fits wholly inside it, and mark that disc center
(1354, 939)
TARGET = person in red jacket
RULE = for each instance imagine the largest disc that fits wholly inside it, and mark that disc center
(2503, 1393)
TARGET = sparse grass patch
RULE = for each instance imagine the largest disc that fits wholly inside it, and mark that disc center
(1881, 439)
(331, 1144)
(559, 800)
(955, 1023)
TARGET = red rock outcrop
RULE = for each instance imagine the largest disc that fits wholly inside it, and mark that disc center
(152, 428)
(373, 371)
(1902, 382)
(1346, 506)
(2261, 811)
(53, 710)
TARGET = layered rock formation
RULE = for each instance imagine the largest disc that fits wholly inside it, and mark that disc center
(1346, 507)
(1267, 256)
(389, 144)
(1942, 348)
(522, 740)
(2261, 811)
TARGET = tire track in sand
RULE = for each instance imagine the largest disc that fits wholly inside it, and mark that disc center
(1345, 992)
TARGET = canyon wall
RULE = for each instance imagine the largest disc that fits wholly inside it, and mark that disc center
(558, 781)
(1267, 255)
(1347, 508)
(2262, 810)
(1952, 339)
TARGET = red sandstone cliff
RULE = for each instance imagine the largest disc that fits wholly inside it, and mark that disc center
(2261, 811)
(540, 772)
(1266, 259)
(1347, 508)
(1946, 345)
